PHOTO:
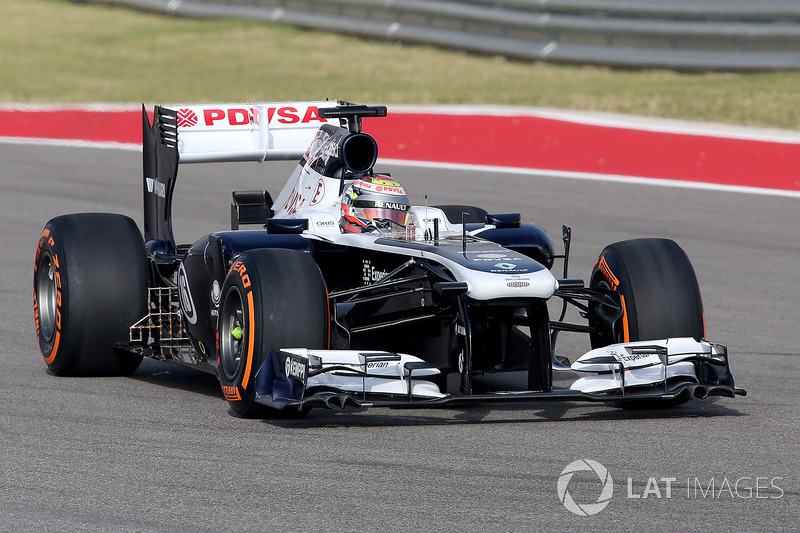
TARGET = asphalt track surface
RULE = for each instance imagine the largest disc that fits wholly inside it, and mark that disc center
(160, 450)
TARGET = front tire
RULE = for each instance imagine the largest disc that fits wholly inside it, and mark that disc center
(89, 286)
(659, 293)
(657, 287)
(271, 298)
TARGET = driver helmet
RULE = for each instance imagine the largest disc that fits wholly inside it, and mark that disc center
(377, 198)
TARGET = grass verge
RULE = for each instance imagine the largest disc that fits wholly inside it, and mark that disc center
(61, 52)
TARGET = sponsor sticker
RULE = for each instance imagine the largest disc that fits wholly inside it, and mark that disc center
(186, 118)
(370, 274)
(216, 293)
(185, 296)
(606, 270)
(381, 185)
(633, 360)
(319, 193)
(231, 393)
(156, 187)
(295, 367)
(391, 205)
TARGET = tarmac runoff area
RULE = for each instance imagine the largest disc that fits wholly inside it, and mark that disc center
(159, 450)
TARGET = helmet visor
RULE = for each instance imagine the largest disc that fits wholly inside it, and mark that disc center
(372, 213)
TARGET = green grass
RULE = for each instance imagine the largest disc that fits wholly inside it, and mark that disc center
(60, 52)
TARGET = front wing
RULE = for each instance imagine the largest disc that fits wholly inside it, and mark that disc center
(671, 370)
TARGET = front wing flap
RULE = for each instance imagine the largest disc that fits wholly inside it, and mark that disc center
(301, 378)
(625, 366)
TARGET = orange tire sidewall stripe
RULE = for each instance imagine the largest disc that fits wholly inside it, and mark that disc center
(608, 273)
(44, 235)
(625, 330)
(46, 238)
(704, 325)
(52, 357)
(250, 340)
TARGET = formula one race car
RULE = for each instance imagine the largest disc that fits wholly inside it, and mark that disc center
(341, 293)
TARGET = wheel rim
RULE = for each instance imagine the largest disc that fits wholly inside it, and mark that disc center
(233, 333)
(46, 296)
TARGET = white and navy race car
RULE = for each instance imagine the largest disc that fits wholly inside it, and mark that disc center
(340, 293)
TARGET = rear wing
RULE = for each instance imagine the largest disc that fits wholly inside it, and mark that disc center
(246, 132)
(222, 133)
(215, 133)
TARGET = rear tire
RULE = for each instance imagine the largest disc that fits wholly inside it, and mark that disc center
(659, 293)
(271, 298)
(89, 286)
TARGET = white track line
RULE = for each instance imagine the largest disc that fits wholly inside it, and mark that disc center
(617, 120)
(638, 180)
(70, 143)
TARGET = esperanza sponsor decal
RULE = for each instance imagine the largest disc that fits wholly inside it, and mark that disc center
(370, 273)
(646, 358)
(375, 365)
(634, 357)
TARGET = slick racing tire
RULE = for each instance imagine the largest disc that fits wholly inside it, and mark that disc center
(89, 286)
(271, 298)
(658, 291)
(453, 213)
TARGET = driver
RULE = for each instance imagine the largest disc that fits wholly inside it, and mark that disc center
(374, 202)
